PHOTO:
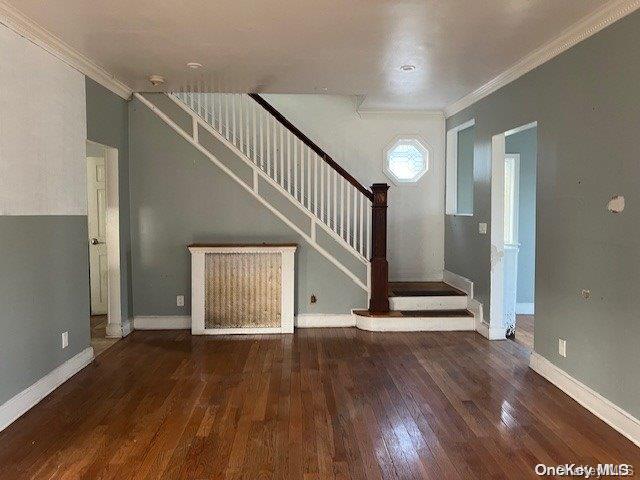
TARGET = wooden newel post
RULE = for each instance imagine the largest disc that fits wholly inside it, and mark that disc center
(379, 302)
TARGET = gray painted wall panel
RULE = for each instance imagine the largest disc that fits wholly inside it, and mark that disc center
(179, 197)
(108, 124)
(587, 108)
(44, 291)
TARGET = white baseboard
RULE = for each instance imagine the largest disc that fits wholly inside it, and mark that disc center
(475, 307)
(495, 333)
(18, 405)
(114, 330)
(482, 327)
(127, 327)
(524, 308)
(162, 322)
(324, 320)
(607, 411)
(459, 282)
(415, 324)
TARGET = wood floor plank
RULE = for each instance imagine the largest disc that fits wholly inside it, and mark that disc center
(319, 404)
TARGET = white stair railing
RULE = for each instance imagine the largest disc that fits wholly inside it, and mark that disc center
(338, 206)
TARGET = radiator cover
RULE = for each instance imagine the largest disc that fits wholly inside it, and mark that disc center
(242, 288)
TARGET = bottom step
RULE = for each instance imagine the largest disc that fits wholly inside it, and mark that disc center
(416, 321)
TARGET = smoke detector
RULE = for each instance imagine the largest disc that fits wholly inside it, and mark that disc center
(156, 80)
(194, 65)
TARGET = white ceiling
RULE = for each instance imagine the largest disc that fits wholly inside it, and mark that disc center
(352, 47)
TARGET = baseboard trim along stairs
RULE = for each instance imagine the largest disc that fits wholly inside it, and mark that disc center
(426, 307)
(614, 416)
(19, 404)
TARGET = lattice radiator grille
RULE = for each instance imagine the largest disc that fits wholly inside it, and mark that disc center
(243, 290)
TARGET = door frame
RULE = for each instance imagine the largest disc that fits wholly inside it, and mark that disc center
(496, 297)
(516, 192)
(114, 295)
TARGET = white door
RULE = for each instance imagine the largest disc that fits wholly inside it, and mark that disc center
(97, 219)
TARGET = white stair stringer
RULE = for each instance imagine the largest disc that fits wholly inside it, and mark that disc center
(192, 138)
(260, 139)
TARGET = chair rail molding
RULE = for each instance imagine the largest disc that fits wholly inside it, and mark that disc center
(581, 30)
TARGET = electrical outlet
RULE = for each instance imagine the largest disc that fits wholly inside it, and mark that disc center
(313, 299)
(482, 228)
(180, 300)
(65, 339)
(562, 347)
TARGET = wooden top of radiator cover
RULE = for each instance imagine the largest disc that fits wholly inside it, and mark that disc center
(234, 245)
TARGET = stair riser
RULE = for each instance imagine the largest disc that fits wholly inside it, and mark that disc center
(428, 303)
(415, 324)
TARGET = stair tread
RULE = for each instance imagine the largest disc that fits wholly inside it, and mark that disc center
(423, 289)
(417, 313)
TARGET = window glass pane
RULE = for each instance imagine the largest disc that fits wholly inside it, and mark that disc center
(464, 177)
(406, 161)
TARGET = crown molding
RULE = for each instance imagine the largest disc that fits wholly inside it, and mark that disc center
(579, 31)
(365, 111)
(32, 31)
(399, 111)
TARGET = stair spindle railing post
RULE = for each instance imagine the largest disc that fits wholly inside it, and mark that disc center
(379, 301)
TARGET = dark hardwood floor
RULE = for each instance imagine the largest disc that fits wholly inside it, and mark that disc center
(524, 330)
(322, 403)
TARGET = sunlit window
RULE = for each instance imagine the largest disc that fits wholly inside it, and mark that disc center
(406, 160)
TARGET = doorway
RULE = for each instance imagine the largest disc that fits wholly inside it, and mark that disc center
(103, 239)
(513, 217)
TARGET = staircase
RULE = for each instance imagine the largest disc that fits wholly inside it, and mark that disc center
(420, 306)
(340, 215)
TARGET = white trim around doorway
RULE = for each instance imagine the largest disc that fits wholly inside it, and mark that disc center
(114, 303)
(498, 153)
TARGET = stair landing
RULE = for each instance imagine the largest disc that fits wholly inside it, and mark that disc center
(420, 306)
(425, 296)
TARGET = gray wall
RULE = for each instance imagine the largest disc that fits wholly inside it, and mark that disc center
(525, 143)
(464, 173)
(44, 291)
(179, 197)
(44, 286)
(108, 124)
(587, 107)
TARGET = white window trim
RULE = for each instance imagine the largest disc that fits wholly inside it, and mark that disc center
(391, 144)
(451, 198)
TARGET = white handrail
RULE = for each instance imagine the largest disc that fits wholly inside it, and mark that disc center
(309, 237)
(265, 142)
